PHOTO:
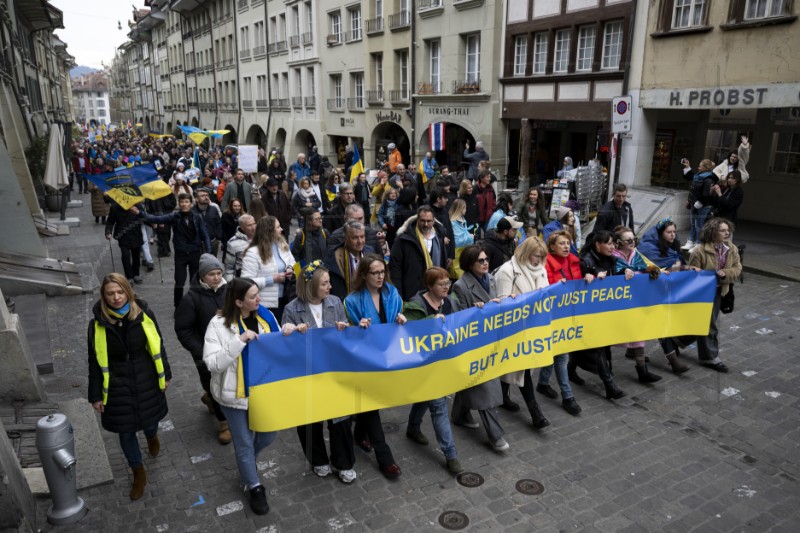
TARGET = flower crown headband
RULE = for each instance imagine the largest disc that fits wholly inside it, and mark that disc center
(664, 222)
(308, 271)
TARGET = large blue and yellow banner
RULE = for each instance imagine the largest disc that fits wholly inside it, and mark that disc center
(129, 186)
(327, 373)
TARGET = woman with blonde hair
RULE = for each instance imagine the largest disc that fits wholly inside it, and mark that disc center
(128, 372)
(269, 263)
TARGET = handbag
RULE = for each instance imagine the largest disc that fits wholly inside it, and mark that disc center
(726, 303)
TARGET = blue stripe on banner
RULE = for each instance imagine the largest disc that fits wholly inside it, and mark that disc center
(385, 347)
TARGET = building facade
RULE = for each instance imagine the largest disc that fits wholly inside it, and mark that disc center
(703, 75)
(91, 99)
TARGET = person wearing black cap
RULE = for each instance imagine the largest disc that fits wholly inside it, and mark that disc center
(198, 306)
(499, 242)
(277, 204)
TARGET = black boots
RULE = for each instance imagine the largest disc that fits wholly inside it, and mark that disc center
(678, 366)
(644, 375)
(612, 391)
(539, 420)
(508, 405)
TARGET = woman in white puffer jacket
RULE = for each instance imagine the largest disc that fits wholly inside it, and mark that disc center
(269, 263)
(241, 320)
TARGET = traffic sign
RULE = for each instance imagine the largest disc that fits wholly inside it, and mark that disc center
(621, 114)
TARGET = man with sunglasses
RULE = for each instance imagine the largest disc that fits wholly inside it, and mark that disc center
(617, 212)
(419, 245)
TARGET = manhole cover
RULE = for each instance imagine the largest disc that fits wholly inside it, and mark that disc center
(470, 479)
(390, 427)
(453, 520)
(530, 487)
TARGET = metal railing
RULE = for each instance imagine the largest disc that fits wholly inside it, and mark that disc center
(374, 96)
(262, 103)
(398, 96)
(241, 4)
(355, 35)
(259, 50)
(399, 21)
(279, 46)
(247, 103)
(307, 37)
(244, 54)
(294, 41)
(297, 101)
(335, 104)
(427, 4)
(355, 104)
(374, 26)
(467, 87)
(429, 87)
(310, 101)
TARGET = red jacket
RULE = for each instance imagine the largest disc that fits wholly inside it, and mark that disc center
(487, 202)
(76, 167)
(559, 268)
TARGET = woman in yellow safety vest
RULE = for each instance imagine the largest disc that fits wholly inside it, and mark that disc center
(128, 372)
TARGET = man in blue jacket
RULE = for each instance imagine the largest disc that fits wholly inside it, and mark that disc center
(189, 239)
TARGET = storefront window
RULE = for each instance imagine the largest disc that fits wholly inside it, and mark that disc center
(786, 157)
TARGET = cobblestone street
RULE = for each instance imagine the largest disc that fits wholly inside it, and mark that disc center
(698, 452)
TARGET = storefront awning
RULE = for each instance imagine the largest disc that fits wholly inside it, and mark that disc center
(36, 14)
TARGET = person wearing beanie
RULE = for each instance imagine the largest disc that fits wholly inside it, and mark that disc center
(197, 307)
(565, 220)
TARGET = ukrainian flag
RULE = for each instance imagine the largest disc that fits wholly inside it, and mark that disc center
(130, 186)
(358, 164)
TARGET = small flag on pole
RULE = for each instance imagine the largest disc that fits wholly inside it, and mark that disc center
(436, 136)
(358, 164)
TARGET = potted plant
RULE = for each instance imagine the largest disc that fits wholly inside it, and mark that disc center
(36, 157)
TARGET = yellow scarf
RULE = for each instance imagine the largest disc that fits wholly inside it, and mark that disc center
(428, 261)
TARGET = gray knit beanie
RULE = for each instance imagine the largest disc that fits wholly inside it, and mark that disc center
(208, 263)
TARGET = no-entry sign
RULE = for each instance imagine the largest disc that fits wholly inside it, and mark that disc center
(621, 114)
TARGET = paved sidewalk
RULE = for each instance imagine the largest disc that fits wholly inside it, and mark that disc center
(699, 452)
(771, 250)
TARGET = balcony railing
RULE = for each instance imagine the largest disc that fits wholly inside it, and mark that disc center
(241, 4)
(374, 97)
(294, 41)
(467, 87)
(247, 103)
(355, 104)
(428, 4)
(400, 21)
(307, 37)
(187, 35)
(335, 104)
(297, 101)
(397, 96)
(262, 103)
(334, 39)
(429, 87)
(273, 102)
(374, 26)
(244, 54)
(280, 46)
(310, 101)
(259, 50)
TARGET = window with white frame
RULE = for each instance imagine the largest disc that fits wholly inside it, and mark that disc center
(786, 155)
(296, 20)
(687, 13)
(259, 37)
(435, 64)
(244, 38)
(402, 62)
(298, 82)
(281, 27)
(285, 85)
(357, 81)
(540, 53)
(759, 9)
(561, 51)
(309, 18)
(612, 45)
(586, 36)
(261, 87)
(378, 8)
(355, 23)
(311, 82)
(336, 26)
(520, 54)
(473, 58)
(337, 90)
(377, 63)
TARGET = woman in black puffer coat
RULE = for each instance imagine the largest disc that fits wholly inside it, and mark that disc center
(204, 299)
(128, 372)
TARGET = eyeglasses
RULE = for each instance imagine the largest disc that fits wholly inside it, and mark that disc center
(483, 260)
(628, 241)
(378, 274)
(444, 284)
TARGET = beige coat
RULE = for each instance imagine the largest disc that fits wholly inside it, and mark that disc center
(705, 257)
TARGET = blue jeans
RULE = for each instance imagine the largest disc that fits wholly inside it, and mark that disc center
(129, 443)
(698, 219)
(560, 364)
(248, 444)
(441, 424)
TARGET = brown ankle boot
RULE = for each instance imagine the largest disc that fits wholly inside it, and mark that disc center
(153, 445)
(224, 432)
(206, 399)
(678, 366)
(139, 482)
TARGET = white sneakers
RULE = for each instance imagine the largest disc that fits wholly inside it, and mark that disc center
(347, 476)
(688, 246)
(500, 445)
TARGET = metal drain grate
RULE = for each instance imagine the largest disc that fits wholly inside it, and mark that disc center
(530, 487)
(470, 479)
(453, 520)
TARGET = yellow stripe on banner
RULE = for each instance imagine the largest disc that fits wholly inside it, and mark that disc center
(293, 402)
(153, 190)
